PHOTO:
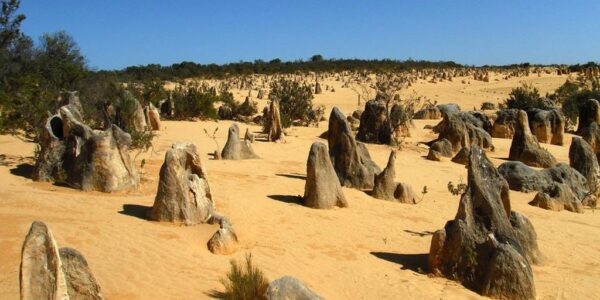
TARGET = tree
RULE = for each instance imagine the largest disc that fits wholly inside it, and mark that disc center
(60, 61)
(317, 58)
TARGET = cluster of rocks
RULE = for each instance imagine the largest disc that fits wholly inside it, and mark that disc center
(561, 186)
(348, 163)
(457, 132)
(49, 272)
(84, 158)
(487, 247)
(547, 126)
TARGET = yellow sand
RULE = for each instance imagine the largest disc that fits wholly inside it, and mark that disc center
(372, 250)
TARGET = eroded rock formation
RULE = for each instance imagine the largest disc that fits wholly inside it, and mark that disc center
(559, 187)
(274, 127)
(375, 125)
(235, 148)
(183, 194)
(48, 272)
(525, 147)
(548, 126)
(86, 159)
(351, 160)
(481, 247)
(289, 288)
(224, 241)
(387, 188)
(322, 188)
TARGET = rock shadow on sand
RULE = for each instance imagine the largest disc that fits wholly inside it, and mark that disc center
(287, 198)
(414, 262)
(22, 170)
(293, 175)
(136, 210)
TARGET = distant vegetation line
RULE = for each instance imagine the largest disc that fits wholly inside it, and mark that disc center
(316, 63)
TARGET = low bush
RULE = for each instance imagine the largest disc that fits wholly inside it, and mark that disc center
(198, 101)
(244, 281)
(295, 102)
(525, 98)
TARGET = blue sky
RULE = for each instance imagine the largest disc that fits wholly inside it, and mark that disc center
(115, 34)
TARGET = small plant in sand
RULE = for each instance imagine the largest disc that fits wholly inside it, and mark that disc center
(423, 192)
(244, 281)
(457, 189)
(213, 136)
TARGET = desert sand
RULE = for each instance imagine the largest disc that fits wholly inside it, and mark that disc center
(372, 250)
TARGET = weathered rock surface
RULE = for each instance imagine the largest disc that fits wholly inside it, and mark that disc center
(351, 160)
(462, 156)
(481, 247)
(81, 283)
(448, 108)
(50, 273)
(290, 288)
(504, 126)
(322, 189)
(523, 178)
(583, 159)
(589, 113)
(387, 188)
(547, 125)
(375, 125)
(48, 165)
(488, 106)
(440, 148)
(152, 117)
(183, 194)
(558, 187)
(525, 147)
(274, 127)
(235, 148)
(461, 133)
(428, 113)
(84, 158)
(225, 240)
(591, 134)
(41, 275)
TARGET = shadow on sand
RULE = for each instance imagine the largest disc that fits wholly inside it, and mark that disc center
(414, 262)
(135, 210)
(287, 198)
(293, 175)
(22, 170)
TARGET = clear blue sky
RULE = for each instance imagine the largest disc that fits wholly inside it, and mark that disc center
(115, 34)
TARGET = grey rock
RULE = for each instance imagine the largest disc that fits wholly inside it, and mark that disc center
(525, 147)
(235, 148)
(481, 247)
(290, 288)
(322, 189)
(81, 283)
(375, 125)
(351, 160)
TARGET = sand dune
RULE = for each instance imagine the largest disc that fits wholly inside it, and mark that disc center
(372, 250)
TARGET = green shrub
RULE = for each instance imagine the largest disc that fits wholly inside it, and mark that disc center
(572, 94)
(196, 101)
(295, 102)
(525, 98)
(243, 282)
